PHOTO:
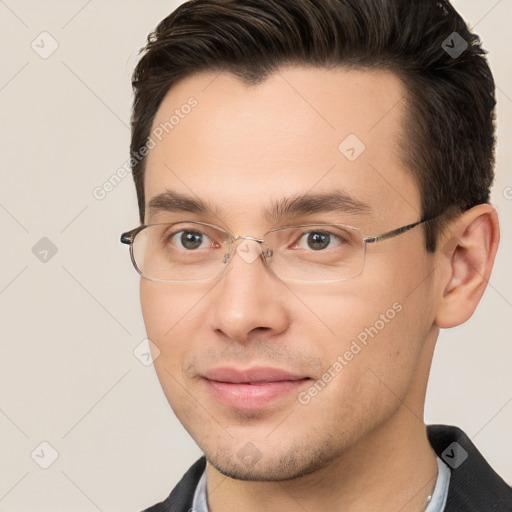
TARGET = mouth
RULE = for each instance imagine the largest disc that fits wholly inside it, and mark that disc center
(253, 388)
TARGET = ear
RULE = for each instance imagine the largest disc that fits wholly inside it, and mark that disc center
(466, 259)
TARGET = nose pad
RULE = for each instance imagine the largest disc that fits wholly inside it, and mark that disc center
(249, 250)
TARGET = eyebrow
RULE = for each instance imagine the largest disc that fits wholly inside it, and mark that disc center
(304, 204)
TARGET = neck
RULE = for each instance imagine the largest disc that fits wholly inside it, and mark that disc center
(391, 468)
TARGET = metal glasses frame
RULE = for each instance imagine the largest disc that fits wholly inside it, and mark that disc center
(128, 238)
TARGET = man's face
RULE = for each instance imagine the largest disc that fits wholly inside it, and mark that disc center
(241, 149)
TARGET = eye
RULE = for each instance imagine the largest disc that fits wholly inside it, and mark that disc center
(189, 240)
(320, 240)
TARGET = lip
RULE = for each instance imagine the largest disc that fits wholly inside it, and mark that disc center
(253, 388)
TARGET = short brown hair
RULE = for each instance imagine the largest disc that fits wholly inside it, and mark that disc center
(451, 98)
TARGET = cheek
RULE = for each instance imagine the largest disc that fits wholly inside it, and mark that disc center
(170, 320)
(369, 368)
(375, 332)
(166, 308)
(157, 310)
(167, 312)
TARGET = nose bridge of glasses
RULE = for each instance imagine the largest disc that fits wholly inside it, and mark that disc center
(246, 237)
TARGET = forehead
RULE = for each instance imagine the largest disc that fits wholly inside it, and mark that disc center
(241, 148)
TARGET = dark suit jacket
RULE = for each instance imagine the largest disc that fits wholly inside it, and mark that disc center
(474, 485)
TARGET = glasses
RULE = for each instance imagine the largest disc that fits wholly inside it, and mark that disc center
(191, 251)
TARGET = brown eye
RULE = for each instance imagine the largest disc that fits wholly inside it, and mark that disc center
(187, 239)
(318, 241)
(191, 240)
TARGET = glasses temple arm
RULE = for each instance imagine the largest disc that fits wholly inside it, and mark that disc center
(397, 231)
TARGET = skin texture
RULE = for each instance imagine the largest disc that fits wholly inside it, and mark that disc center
(360, 443)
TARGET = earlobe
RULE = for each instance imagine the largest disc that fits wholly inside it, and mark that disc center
(467, 258)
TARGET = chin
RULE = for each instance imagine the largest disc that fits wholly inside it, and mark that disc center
(270, 465)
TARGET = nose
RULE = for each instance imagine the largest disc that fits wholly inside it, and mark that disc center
(248, 300)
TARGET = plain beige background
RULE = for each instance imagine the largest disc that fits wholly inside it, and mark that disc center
(69, 325)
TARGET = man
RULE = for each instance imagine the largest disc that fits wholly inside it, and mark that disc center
(313, 182)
